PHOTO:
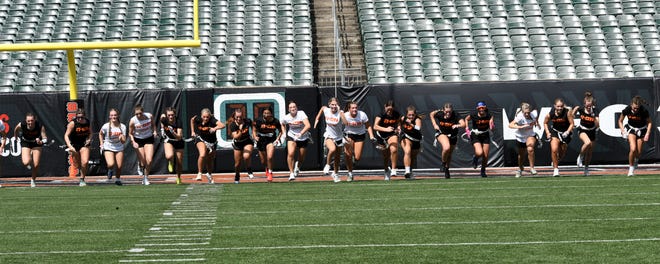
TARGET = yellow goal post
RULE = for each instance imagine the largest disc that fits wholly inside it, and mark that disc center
(70, 47)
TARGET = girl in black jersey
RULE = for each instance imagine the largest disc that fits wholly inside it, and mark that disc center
(586, 130)
(77, 137)
(172, 134)
(482, 123)
(411, 132)
(387, 127)
(446, 123)
(239, 129)
(637, 130)
(559, 132)
(264, 133)
(3, 140)
(204, 128)
(33, 136)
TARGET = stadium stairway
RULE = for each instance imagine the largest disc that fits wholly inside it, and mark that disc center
(350, 41)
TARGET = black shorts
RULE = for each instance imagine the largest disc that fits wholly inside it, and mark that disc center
(299, 144)
(555, 134)
(338, 142)
(453, 138)
(264, 141)
(143, 141)
(590, 133)
(78, 144)
(240, 145)
(639, 132)
(483, 138)
(416, 145)
(356, 137)
(177, 144)
(30, 144)
(382, 137)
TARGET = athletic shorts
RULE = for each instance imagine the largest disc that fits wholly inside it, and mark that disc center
(177, 144)
(240, 145)
(30, 144)
(481, 138)
(264, 141)
(590, 133)
(299, 144)
(143, 141)
(565, 140)
(452, 138)
(416, 145)
(356, 137)
(339, 142)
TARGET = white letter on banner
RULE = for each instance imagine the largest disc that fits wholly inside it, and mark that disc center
(608, 121)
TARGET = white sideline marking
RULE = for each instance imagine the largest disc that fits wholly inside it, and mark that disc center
(447, 208)
(136, 250)
(168, 254)
(446, 244)
(168, 213)
(171, 244)
(176, 203)
(186, 235)
(438, 197)
(63, 231)
(441, 222)
(160, 260)
(154, 229)
(352, 246)
(190, 224)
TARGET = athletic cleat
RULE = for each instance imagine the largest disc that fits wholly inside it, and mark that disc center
(199, 176)
(483, 172)
(393, 173)
(475, 162)
(407, 175)
(109, 174)
(209, 178)
(447, 176)
(139, 170)
(292, 176)
(636, 164)
(350, 177)
(518, 173)
(250, 175)
(335, 177)
(32, 184)
(82, 183)
(269, 176)
(326, 169)
(296, 170)
(631, 171)
(145, 181)
(412, 176)
(170, 166)
(579, 161)
(118, 183)
(178, 180)
(387, 177)
(533, 171)
(237, 182)
(555, 172)
(586, 171)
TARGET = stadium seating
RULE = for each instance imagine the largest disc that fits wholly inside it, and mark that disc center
(490, 40)
(244, 43)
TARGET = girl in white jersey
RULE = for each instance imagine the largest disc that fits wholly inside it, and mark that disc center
(297, 126)
(356, 126)
(142, 130)
(332, 136)
(111, 139)
(524, 122)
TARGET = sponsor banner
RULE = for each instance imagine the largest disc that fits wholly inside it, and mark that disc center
(503, 99)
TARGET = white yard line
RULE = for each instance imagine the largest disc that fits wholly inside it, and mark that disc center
(443, 208)
(179, 226)
(441, 223)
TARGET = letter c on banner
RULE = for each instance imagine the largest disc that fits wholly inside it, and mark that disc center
(608, 120)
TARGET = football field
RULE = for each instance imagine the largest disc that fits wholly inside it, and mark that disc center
(598, 219)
